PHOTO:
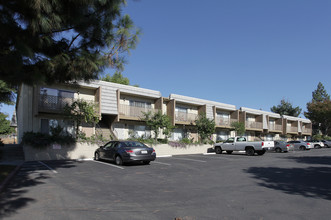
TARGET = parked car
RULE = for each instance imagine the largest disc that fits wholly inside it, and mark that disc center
(281, 146)
(316, 143)
(241, 144)
(327, 143)
(300, 145)
(125, 151)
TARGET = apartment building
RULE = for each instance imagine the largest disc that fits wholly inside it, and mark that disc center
(122, 107)
(185, 110)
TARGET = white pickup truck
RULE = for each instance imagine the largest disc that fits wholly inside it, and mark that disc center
(241, 144)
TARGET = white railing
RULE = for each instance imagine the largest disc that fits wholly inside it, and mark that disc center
(306, 130)
(292, 129)
(134, 111)
(185, 117)
(220, 121)
(275, 127)
(254, 124)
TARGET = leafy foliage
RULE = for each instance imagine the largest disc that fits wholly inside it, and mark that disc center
(117, 77)
(61, 41)
(82, 111)
(158, 121)
(7, 93)
(319, 110)
(41, 140)
(239, 128)
(5, 125)
(205, 126)
(320, 114)
(286, 108)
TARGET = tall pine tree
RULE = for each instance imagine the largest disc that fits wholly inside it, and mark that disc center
(61, 40)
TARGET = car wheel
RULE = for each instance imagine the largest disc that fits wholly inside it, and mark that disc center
(278, 150)
(326, 145)
(218, 150)
(229, 151)
(302, 148)
(118, 160)
(250, 151)
(146, 162)
(96, 156)
(317, 146)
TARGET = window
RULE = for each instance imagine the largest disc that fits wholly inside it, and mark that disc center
(140, 104)
(181, 109)
(54, 98)
(240, 139)
(47, 125)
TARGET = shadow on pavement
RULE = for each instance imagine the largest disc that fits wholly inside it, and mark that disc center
(324, 160)
(31, 174)
(309, 182)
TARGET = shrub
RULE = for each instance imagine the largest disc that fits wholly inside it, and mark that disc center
(41, 140)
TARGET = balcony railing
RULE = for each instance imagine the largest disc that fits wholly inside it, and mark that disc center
(292, 129)
(275, 127)
(224, 121)
(254, 124)
(185, 117)
(50, 103)
(306, 130)
(134, 111)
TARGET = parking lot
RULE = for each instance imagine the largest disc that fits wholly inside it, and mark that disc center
(294, 185)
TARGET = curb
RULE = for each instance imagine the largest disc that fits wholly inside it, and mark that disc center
(10, 176)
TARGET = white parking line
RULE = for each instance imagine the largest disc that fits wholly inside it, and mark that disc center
(109, 164)
(54, 171)
(179, 158)
(162, 163)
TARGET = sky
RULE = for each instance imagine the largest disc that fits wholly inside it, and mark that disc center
(248, 53)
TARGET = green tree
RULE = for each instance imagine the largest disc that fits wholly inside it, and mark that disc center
(61, 41)
(319, 109)
(205, 126)
(320, 115)
(5, 125)
(157, 121)
(82, 111)
(7, 94)
(286, 108)
(320, 94)
(117, 77)
(239, 128)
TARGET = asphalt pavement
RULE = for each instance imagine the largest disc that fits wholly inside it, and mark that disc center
(294, 185)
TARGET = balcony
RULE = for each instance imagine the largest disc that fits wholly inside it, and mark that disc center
(224, 122)
(306, 130)
(254, 125)
(54, 104)
(292, 129)
(275, 127)
(134, 111)
(185, 117)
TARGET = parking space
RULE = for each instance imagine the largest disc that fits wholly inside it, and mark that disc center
(236, 186)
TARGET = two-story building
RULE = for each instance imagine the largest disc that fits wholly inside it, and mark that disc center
(122, 107)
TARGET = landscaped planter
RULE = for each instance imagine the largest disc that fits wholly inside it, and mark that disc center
(166, 149)
(86, 151)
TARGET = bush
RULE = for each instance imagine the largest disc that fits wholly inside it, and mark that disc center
(186, 141)
(40, 140)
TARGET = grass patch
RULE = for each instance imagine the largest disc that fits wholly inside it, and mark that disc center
(5, 170)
